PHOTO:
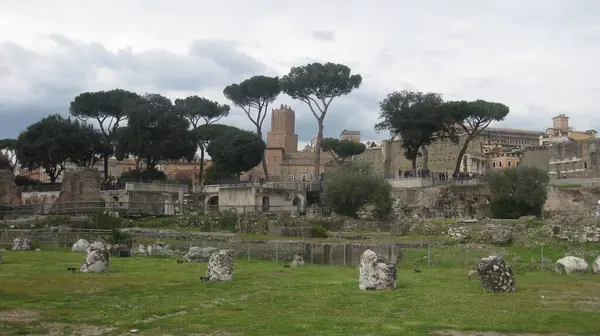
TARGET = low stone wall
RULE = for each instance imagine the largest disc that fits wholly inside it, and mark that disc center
(338, 254)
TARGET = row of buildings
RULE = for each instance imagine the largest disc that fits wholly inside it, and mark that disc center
(560, 150)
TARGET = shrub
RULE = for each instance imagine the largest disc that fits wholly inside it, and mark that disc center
(120, 237)
(517, 192)
(26, 181)
(354, 185)
(142, 175)
(104, 222)
(318, 231)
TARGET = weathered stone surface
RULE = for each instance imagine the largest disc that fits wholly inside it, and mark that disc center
(495, 276)
(141, 250)
(80, 246)
(1, 254)
(376, 272)
(96, 245)
(220, 266)
(22, 244)
(570, 265)
(496, 234)
(160, 249)
(97, 261)
(298, 261)
(199, 254)
(461, 234)
(595, 265)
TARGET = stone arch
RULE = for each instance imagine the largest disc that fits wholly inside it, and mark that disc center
(213, 202)
(297, 202)
(265, 203)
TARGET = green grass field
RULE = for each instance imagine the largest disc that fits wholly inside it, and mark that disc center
(158, 296)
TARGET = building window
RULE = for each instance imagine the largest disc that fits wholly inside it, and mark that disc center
(585, 165)
(508, 163)
(500, 164)
(291, 177)
(493, 164)
(517, 163)
(304, 178)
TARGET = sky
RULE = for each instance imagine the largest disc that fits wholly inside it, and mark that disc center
(538, 57)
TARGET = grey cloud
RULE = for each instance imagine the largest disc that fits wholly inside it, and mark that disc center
(54, 80)
(323, 35)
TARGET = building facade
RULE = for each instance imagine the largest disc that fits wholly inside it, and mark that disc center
(284, 162)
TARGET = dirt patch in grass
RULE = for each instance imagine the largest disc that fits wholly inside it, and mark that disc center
(171, 284)
(59, 329)
(19, 315)
(485, 333)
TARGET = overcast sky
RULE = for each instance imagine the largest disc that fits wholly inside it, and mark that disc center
(539, 57)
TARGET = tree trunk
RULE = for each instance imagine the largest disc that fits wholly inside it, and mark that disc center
(413, 163)
(264, 161)
(105, 158)
(425, 157)
(318, 149)
(462, 152)
(201, 178)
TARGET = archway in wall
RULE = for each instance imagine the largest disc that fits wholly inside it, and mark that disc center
(298, 204)
(265, 203)
(213, 203)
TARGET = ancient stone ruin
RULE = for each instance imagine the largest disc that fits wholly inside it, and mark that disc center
(22, 244)
(298, 261)
(595, 265)
(97, 259)
(220, 266)
(9, 193)
(80, 191)
(97, 245)
(159, 249)
(376, 273)
(570, 265)
(80, 246)
(199, 254)
(495, 276)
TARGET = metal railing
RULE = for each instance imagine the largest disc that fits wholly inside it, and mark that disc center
(61, 237)
(143, 208)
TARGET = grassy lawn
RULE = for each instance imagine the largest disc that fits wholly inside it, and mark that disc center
(158, 296)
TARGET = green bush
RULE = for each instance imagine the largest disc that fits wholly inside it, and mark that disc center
(104, 222)
(318, 231)
(120, 237)
(354, 185)
(517, 192)
(142, 175)
(26, 181)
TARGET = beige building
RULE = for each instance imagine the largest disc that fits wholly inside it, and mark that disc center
(561, 129)
(353, 136)
(388, 159)
(285, 163)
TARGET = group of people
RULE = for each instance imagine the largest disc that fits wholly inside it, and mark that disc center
(426, 174)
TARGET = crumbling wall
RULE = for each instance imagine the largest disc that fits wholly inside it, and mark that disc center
(441, 202)
(564, 201)
(9, 193)
(80, 192)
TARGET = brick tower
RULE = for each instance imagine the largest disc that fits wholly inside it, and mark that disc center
(283, 124)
